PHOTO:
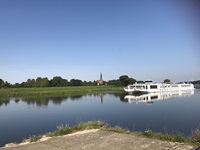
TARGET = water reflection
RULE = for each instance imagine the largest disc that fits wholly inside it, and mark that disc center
(100, 95)
(39, 101)
(151, 97)
(45, 100)
(4, 101)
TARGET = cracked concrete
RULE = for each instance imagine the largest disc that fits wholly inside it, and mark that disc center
(100, 140)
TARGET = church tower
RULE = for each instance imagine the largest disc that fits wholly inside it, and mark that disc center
(101, 78)
(100, 82)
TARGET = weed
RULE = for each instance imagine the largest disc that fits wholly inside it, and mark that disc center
(35, 138)
(65, 129)
(148, 133)
(118, 129)
(195, 137)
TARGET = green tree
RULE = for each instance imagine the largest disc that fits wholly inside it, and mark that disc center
(114, 82)
(33, 83)
(58, 81)
(23, 84)
(167, 81)
(7, 85)
(125, 80)
(16, 85)
(44, 82)
(131, 81)
(75, 82)
(88, 83)
(30, 83)
(38, 82)
(1, 83)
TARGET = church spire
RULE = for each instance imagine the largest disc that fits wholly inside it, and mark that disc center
(101, 78)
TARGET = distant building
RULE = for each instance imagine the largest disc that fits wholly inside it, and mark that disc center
(100, 82)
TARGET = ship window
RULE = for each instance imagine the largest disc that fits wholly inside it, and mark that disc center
(138, 87)
(153, 86)
(174, 86)
(154, 97)
(185, 85)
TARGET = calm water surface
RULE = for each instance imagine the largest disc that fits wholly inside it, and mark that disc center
(172, 112)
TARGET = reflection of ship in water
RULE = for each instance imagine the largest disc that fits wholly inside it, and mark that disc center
(151, 97)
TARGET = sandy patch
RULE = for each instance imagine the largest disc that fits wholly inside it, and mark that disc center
(82, 132)
(44, 138)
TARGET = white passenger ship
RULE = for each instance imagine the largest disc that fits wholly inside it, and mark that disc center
(150, 87)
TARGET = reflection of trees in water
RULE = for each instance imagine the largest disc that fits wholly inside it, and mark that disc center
(4, 101)
(117, 94)
(17, 100)
(43, 101)
(57, 100)
(76, 97)
(121, 96)
(39, 101)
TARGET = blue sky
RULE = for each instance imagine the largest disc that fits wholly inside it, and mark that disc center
(82, 38)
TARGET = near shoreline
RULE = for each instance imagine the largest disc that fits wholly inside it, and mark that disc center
(62, 130)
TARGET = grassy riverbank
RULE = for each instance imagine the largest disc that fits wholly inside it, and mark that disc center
(65, 129)
(56, 90)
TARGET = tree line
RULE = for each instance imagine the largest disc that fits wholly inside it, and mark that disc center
(58, 81)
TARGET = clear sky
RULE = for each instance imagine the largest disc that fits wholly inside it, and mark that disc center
(82, 38)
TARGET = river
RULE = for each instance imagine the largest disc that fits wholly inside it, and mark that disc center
(22, 117)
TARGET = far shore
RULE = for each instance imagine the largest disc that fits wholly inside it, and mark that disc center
(57, 91)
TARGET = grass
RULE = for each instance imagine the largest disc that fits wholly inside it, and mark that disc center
(55, 90)
(118, 129)
(177, 137)
(195, 137)
(150, 134)
(65, 129)
(35, 138)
